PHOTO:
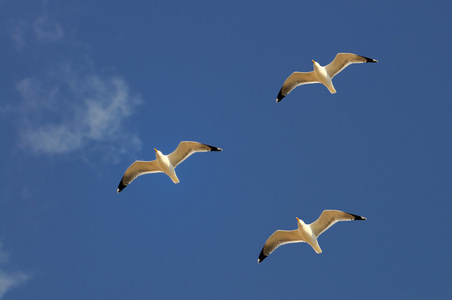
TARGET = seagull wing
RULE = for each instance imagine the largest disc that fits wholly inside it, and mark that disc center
(185, 149)
(136, 169)
(329, 217)
(278, 238)
(342, 60)
(294, 80)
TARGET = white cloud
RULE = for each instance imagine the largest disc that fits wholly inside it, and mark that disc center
(69, 110)
(9, 280)
(70, 106)
(42, 29)
(18, 34)
(47, 30)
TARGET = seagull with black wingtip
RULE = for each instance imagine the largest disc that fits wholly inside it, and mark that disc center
(164, 163)
(323, 75)
(307, 233)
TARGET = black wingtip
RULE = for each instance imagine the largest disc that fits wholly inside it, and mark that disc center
(370, 60)
(212, 148)
(121, 186)
(358, 218)
(280, 96)
(262, 256)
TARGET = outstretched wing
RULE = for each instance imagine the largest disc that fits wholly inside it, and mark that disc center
(136, 169)
(185, 149)
(342, 60)
(294, 80)
(279, 238)
(329, 217)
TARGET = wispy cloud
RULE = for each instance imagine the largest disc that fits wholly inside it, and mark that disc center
(9, 280)
(70, 109)
(70, 106)
(18, 34)
(43, 29)
(47, 30)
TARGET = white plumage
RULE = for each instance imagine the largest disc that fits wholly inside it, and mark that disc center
(323, 75)
(164, 163)
(307, 233)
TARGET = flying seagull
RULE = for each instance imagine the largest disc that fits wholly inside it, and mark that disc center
(322, 75)
(164, 163)
(307, 233)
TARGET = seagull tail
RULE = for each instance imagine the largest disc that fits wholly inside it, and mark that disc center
(331, 88)
(174, 178)
(317, 249)
(315, 245)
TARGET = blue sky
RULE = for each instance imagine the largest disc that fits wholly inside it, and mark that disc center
(90, 86)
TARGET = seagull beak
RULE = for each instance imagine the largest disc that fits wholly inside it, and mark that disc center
(155, 150)
(297, 219)
(313, 61)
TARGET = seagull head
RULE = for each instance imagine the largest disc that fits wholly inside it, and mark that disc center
(316, 64)
(157, 152)
(300, 222)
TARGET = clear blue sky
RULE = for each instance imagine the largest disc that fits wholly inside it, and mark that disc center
(89, 86)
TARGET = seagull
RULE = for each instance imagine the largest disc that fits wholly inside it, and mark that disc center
(164, 163)
(307, 233)
(322, 75)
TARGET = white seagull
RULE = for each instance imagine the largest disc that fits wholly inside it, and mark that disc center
(322, 75)
(307, 233)
(164, 163)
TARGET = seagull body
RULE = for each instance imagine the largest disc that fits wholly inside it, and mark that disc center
(307, 233)
(164, 163)
(323, 75)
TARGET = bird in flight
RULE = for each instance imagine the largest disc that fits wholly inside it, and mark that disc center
(307, 233)
(164, 163)
(323, 75)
